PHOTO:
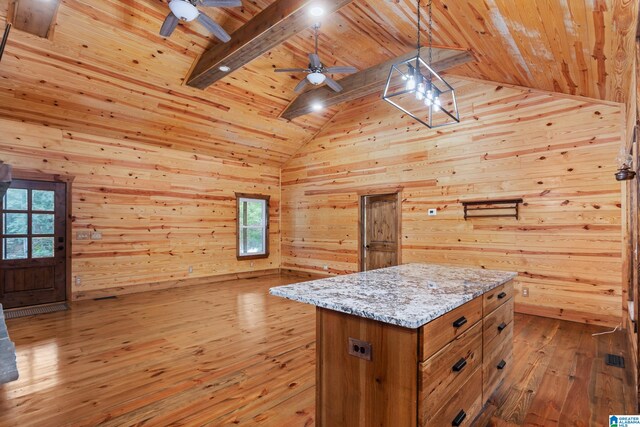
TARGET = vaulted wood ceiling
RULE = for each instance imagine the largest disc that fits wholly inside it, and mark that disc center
(106, 70)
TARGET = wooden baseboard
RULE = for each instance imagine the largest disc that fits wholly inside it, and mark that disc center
(567, 314)
(304, 274)
(144, 287)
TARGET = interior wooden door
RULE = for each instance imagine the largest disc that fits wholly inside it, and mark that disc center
(380, 223)
(32, 237)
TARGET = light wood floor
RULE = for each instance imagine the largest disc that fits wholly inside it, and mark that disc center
(228, 354)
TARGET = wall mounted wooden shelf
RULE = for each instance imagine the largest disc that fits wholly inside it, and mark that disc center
(507, 208)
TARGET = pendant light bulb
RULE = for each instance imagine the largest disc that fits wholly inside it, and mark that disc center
(428, 102)
(437, 104)
(411, 83)
(420, 91)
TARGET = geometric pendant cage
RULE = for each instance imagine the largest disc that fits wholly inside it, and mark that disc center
(415, 88)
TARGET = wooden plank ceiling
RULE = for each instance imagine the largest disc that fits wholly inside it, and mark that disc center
(107, 71)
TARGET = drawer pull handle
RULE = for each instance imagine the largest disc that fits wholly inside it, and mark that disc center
(460, 364)
(501, 326)
(502, 295)
(461, 321)
(459, 418)
(502, 364)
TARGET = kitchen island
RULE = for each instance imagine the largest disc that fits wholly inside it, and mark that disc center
(8, 368)
(411, 345)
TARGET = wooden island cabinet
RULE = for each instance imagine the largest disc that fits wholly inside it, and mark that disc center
(413, 345)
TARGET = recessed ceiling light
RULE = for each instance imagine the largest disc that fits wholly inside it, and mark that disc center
(316, 106)
(316, 11)
(224, 68)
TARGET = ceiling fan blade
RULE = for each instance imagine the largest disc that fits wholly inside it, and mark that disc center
(170, 23)
(221, 3)
(301, 85)
(213, 27)
(290, 70)
(333, 84)
(346, 70)
(314, 60)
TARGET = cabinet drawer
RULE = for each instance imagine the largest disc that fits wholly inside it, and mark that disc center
(463, 406)
(495, 323)
(498, 358)
(496, 297)
(445, 373)
(441, 331)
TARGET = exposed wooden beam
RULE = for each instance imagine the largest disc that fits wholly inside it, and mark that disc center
(368, 81)
(271, 27)
(36, 17)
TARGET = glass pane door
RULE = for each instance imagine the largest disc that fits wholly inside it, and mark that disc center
(28, 224)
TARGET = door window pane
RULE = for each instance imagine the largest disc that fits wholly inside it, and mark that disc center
(42, 200)
(42, 224)
(14, 248)
(16, 199)
(15, 223)
(42, 247)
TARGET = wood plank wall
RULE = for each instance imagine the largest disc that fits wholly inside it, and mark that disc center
(159, 210)
(555, 151)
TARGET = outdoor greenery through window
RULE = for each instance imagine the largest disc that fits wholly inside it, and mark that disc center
(28, 222)
(253, 226)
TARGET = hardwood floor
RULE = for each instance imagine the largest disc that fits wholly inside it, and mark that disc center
(559, 377)
(229, 354)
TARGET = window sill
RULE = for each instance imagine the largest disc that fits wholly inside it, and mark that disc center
(249, 257)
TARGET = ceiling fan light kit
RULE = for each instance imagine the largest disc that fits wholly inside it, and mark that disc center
(184, 10)
(316, 78)
(187, 11)
(416, 89)
(317, 72)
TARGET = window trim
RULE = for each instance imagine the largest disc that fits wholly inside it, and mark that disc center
(266, 198)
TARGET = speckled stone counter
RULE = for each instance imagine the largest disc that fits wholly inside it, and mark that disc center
(8, 369)
(409, 295)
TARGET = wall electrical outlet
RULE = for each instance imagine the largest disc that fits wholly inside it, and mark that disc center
(525, 292)
(325, 267)
(96, 235)
(433, 212)
(359, 348)
(83, 235)
(78, 280)
(251, 264)
(190, 269)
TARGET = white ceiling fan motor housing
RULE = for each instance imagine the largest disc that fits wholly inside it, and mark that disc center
(184, 10)
(316, 78)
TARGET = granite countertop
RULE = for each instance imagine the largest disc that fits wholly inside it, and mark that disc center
(409, 295)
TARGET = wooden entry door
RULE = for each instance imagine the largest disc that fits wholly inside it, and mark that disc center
(380, 231)
(32, 237)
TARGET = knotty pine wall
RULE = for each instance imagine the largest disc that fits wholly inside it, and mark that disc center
(555, 151)
(159, 210)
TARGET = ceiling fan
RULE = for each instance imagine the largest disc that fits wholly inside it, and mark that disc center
(316, 71)
(187, 11)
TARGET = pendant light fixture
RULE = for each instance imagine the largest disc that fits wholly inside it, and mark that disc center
(415, 88)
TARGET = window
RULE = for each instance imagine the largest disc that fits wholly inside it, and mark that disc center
(27, 224)
(253, 226)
